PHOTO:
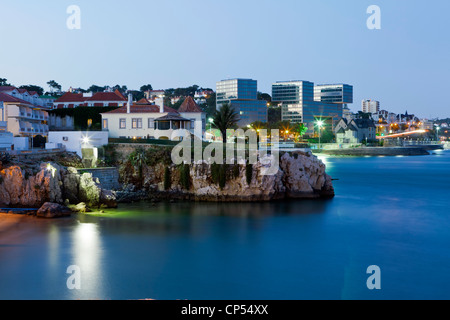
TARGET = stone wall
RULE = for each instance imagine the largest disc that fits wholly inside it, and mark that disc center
(108, 177)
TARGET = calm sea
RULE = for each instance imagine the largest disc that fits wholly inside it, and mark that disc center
(389, 212)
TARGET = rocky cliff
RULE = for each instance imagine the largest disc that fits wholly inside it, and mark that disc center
(50, 182)
(299, 175)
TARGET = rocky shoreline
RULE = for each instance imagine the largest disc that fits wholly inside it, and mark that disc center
(50, 190)
(301, 175)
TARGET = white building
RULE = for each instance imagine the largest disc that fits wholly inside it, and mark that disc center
(98, 99)
(370, 106)
(25, 114)
(143, 120)
(75, 141)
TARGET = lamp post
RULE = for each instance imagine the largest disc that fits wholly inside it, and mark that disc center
(437, 132)
(210, 120)
(319, 125)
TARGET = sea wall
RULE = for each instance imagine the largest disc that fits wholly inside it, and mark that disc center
(378, 151)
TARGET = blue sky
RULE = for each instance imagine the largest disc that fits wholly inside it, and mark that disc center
(178, 43)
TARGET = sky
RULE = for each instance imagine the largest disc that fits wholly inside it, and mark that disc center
(177, 43)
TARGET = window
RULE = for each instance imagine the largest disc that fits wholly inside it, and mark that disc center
(122, 123)
(192, 123)
(136, 123)
(89, 122)
(105, 123)
(151, 123)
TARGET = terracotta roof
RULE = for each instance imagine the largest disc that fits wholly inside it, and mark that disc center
(7, 88)
(106, 96)
(143, 101)
(189, 105)
(141, 108)
(120, 94)
(71, 97)
(8, 98)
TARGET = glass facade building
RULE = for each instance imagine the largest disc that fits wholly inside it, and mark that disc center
(302, 102)
(242, 94)
(334, 93)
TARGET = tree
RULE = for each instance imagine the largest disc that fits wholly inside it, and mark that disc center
(300, 130)
(147, 87)
(363, 115)
(94, 89)
(30, 87)
(264, 96)
(54, 86)
(225, 118)
(4, 82)
(274, 114)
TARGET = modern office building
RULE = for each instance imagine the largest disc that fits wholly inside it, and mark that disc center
(302, 102)
(334, 93)
(242, 95)
(370, 106)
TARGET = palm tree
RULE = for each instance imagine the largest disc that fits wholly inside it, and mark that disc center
(224, 119)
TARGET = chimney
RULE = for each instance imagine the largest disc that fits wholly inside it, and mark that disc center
(130, 100)
(159, 101)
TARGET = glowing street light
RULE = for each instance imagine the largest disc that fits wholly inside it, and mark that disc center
(320, 124)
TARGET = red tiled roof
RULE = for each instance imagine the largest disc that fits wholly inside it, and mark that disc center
(71, 97)
(7, 88)
(141, 108)
(106, 96)
(120, 94)
(7, 98)
(143, 101)
(189, 105)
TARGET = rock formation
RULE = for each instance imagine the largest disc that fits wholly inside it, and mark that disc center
(300, 175)
(51, 183)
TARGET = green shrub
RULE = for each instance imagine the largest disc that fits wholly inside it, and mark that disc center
(236, 170)
(167, 179)
(222, 175)
(185, 176)
(215, 168)
(249, 173)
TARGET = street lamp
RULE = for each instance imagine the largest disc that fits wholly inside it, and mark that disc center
(210, 120)
(319, 124)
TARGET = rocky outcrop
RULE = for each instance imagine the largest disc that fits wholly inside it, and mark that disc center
(51, 183)
(53, 210)
(299, 175)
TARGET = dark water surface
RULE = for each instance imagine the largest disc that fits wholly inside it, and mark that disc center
(390, 212)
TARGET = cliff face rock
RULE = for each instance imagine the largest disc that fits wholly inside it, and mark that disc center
(51, 183)
(299, 175)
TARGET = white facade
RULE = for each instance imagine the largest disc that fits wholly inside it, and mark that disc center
(24, 114)
(370, 106)
(75, 141)
(148, 121)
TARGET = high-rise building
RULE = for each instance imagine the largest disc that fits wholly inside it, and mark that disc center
(242, 95)
(334, 93)
(370, 106)
(302, 102)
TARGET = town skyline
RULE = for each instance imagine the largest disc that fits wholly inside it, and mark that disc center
(402, 65)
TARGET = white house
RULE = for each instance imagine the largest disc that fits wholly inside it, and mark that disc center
(142, 120)
(75, 141)
(355, 130)
(99, 99)
(25, 114)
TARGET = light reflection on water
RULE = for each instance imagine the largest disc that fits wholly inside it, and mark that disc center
(388, 211)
